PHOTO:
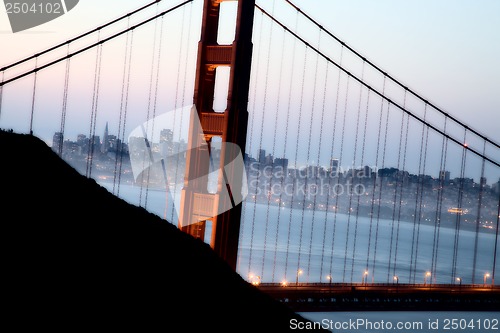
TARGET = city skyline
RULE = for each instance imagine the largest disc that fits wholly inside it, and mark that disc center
(263, 157)
(270, 181)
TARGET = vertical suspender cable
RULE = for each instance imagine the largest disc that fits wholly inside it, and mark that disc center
(416, 219)
(380, 191)
(121, 118)
(155, 96)
(65, 103)
(439, 204)
(336, 174)
(349, 214)
(150, 132)
(401, 178)
(183, 97)
(264, 104)
(155, 105)
(459, 205)
(322, 187)
(374, 183)
(494, 265)
(346, 102)
(284, 176)
(284, 151)
(1, 93)
(419, 199)
(397, 177)
(478, 216)
(127, 91)
(316, 172)
(299, 125)
(250, 146)
(176, 106)
(359, 195)
(93, 113)
(33, 97)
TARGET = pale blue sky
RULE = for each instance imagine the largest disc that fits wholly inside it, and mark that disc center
(445, 50)
(454, 42)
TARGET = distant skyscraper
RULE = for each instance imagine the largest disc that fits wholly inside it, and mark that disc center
(57, 142)
(482, 181)
(112, 142)
(334, 165)
(105, 140)
(262, 156)
(96, 143)
(281, 165)
(269, 159)
(444, 176)
(166, 135)
(83, 142)
(167, 142)
(81, 139)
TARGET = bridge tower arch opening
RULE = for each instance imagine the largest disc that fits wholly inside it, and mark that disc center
(198, 205)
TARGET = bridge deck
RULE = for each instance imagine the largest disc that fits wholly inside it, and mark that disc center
(385, 297)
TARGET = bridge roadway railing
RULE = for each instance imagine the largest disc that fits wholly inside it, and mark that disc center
(385, 296)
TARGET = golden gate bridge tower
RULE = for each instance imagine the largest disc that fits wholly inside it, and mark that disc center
(197, 204)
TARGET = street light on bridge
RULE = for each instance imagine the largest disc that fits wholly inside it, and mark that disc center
(459, 280)
(426, 276)
(487, 275)
(299, 272)
(330, 279)
(363, 279)
(254, 279)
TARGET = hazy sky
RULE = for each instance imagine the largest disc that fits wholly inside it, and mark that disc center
(445, 50)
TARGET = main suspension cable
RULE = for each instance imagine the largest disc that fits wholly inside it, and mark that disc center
(101, 41)
(68, 42)
(389, 76)
(474, 151)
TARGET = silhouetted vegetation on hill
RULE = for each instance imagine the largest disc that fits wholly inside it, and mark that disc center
(78, 257)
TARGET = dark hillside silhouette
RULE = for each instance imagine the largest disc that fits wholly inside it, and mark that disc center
(77, 257)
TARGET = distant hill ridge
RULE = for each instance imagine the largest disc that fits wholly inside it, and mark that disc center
(78, 257)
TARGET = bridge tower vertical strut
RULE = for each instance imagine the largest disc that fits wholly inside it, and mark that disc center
(197, 204)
